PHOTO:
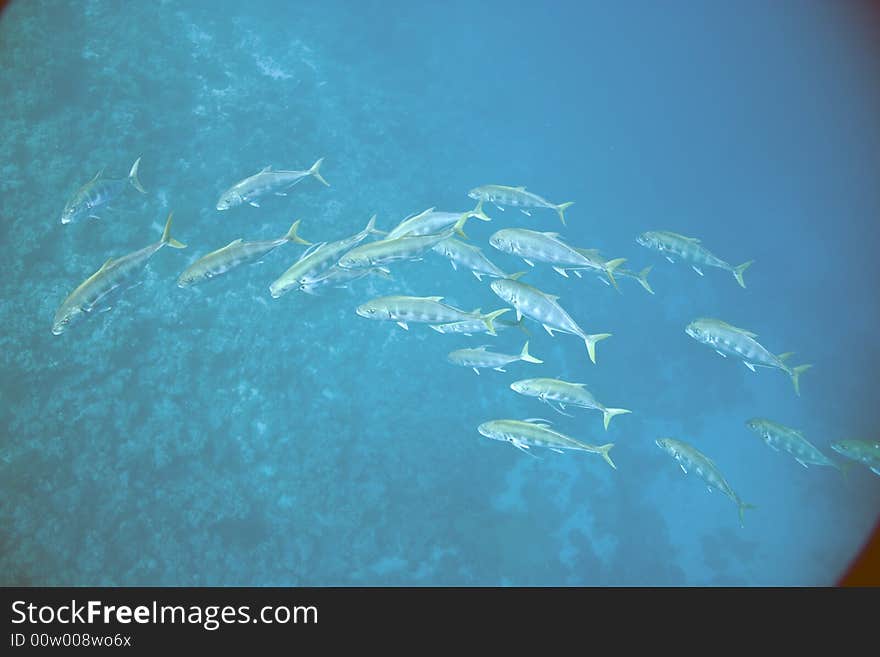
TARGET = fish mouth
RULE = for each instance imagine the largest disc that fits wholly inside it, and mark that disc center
(483, 430)
(57, 330)
(362, 312)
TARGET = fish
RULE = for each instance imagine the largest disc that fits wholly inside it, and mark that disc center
(517, 197)
(339, 278)
(563, 393)
(478, 358)
(383, 252)
(535, 432)
(866, 452)
(543, 308)
(690, 458)
(237, 252)
(779, 436)
(729, 340)
(97, 192)
(534, 246)
(472, 326)
(317, 261)
(689, 249)
(468, 256)
(429, 222)
(115, 275)
(264, 182)
(427, 310)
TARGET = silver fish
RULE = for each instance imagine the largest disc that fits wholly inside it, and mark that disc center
(729, 340)
(339, 278)
(564, 393)
(383, 252)
(97, 192)
(689, 249)
(429, 222)
(427, 310)
(866, 452)
(114, 275)
(234, 254)
(473, 326)
(478, 357)
(535, 432)
(543, 308)
(517, 197)
(468, 257)
(691, 459)
(778, 436)
(267, 181)
(317, 261)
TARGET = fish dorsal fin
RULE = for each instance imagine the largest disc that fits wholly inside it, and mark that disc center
(553, 235)
(538, 421)
(693, 240)
(590, 253)
(552, 297)
(517, 275)
(434, 298)
(266, 169)
(482, 347)
(738, 329)
(784, 357)
(233, 243)
(477, 311)
(97, 175)
(106, 264)
(312, 249)
(520, 189)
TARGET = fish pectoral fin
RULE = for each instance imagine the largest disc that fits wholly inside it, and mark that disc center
(697, 269)
(524, 448)
(529, 262)
(561, 272)
(604, 280)
(478, 276)
(476, 371)
(875, 469)
(558, 451)
(578, 274)
(683, 469)
(721, 353)
(403, 325)
(280, 193)
(548, 329)
(801, 462)
(709, 488)
(518, 315)
(254, 204)
(749, 365)
(499, 369)
(454, 266)
(498, 206)
(94, 216)
(670, 260)
(526, 212)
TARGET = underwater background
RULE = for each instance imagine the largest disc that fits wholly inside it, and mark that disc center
(217, 436)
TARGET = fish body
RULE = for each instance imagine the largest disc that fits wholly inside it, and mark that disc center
(866, 452)
(729, 340)
(234, 254)
(339, 278)
(690, 459)
(517, 197)
(543, 308)
(690, 250)
(534, 246)
(479, 358)
(475, 326)
(97, 192)
(430, 222)
(317, 261)
(386, 251)
(780, 437)
(559, 393)
(114, 275)
(426, 310)
(267, 181)
(468, 256)
(534, 432)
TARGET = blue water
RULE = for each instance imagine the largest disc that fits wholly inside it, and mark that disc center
(216, 436)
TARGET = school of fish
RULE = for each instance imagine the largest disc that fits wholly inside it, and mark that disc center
(340, 262)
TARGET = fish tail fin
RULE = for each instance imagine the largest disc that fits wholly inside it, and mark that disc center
(521, 325)
(133, 177)
(795, 374)
(610, 266)
(459, 225)
(489, 320)
(370, 228)
(591, 341)
(166, 235)
(291, 235)
(316, 171)
(526, 356)
(738, 272)
(561, 208)
(742, 507)
(643, 278)
(604, 451)
(843, 469)
(609, 413)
